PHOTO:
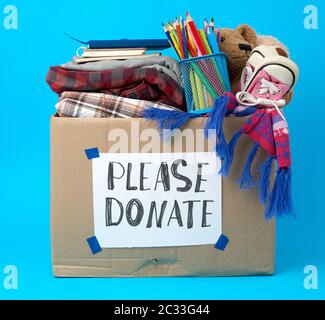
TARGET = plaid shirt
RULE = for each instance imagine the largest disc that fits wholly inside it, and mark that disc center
(100, 105)
(136, 83)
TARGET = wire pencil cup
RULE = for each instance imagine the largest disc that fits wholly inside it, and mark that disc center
(205, 78)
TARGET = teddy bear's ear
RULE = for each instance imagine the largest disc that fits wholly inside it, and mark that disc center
(248, 33)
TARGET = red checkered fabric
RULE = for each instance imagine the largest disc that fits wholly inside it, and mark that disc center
(135, 83)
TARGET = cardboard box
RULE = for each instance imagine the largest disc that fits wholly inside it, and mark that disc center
(251, 247)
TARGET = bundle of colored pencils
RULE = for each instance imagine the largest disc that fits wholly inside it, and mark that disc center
(204, 77)
(188, 41)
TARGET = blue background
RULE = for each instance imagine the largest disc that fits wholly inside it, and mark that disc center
(26, 104)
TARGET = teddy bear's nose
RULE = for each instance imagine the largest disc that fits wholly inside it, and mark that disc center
(245, 47)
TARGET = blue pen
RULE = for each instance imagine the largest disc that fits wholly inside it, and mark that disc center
(212, 39)
(184, 39)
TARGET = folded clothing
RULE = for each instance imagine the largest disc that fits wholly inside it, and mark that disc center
(162, 64)
(136, 83)
(101, 105)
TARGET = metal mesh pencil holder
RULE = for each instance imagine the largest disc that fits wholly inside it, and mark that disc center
(205, 78)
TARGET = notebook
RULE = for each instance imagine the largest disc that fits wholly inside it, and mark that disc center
(149, 44)
(91, 53)
(79, 60)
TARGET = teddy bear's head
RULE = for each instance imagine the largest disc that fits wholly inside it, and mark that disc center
(237, 44)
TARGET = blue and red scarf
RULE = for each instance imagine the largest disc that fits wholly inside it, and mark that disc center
(266, 127)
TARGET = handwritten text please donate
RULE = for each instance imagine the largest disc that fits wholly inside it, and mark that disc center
(166, 179)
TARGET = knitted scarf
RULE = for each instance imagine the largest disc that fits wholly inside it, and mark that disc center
(266, 127)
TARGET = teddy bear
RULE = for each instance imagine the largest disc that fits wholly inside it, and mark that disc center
(238, 44)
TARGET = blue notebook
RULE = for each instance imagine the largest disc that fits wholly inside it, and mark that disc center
(149, 44)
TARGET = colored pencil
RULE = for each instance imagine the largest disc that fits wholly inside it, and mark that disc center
(205, 97)
(218, 35)
(209, 63)
(205, 81)
(205, 41)
(168, 36)
(212, 39)
(205, 25)
(194, 42)
(190, 44)
(180, 38)
(190, 39)
(192, 50)
(210, 100)
(196, 36)
(196, 79)
(212, 24)
(174, 39)
(173, 32)
(171, 40)
(200, 93)
(194, 91)
(184, 38)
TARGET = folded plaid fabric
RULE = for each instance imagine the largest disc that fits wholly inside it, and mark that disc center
(100, 105)
(162, 64)
(136, 83)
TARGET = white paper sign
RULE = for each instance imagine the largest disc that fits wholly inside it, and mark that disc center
(156, 200)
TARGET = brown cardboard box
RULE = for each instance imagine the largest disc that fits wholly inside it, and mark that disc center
(252, 240)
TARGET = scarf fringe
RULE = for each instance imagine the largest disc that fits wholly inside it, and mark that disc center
(168, 119)
(265, 170)
(224, 171)
(280, 202)
(215, 122)
(246, 180)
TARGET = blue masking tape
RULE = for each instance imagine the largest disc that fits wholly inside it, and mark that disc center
(92, 153)
(222, 242)
(94, 245)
